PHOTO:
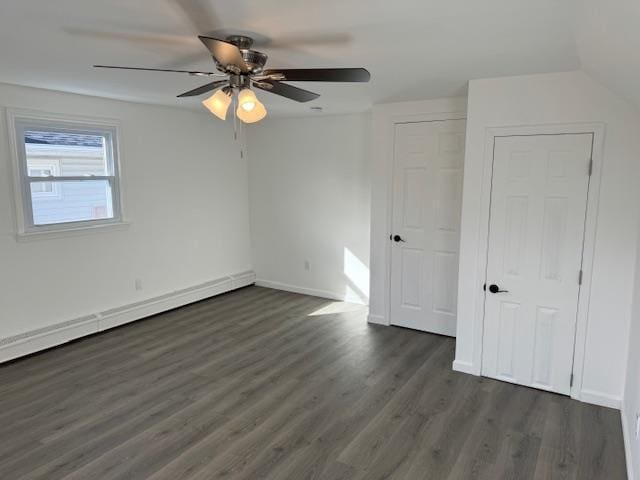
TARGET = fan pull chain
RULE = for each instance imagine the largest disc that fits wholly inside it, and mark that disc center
(237, 126)
(240, 138)
(235, 116)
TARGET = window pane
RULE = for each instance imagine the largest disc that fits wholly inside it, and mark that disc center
(41, 187)
(71, 201)
(66, 154)
(40, 172)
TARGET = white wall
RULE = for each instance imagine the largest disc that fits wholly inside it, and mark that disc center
(631, 403)
(309, 190)
(547, 99)
(383, 121)
(185, 194)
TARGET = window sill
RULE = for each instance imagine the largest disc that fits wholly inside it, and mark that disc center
(71, 232)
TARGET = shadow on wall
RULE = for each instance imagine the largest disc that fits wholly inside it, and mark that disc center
(356, 275)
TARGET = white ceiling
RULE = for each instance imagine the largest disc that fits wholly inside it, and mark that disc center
(414, 49)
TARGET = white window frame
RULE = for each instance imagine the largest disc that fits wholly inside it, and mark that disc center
(20, 120)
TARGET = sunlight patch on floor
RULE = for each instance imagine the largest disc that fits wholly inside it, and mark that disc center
(337, 307)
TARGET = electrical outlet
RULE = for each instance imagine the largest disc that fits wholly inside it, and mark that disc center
(138, 284)
(637, 425)
(306, 265)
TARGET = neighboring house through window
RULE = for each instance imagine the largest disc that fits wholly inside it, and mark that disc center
(67, 173)
(44, 169)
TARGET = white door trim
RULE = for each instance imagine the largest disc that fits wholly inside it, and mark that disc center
(384, 120)
(598, 131)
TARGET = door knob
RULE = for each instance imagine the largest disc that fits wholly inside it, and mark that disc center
(397, 238)
(493, 288)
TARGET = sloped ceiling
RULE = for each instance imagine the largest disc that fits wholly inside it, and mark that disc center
(607, 35)
(415, 49)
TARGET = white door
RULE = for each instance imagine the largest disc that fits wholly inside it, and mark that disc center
(536, 233)
(425, 235)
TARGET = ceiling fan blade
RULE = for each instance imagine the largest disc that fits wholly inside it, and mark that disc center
(289, 91)
(225, 53)
(204, 88)
(158, 40)
(200, 14)
(322, 74)
(303, 40)
(143, 69)
(178, 50)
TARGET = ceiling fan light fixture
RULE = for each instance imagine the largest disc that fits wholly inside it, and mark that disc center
(218, 103)
(247, 100)
(255, 115)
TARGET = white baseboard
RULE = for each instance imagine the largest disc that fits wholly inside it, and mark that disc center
(587, 396)
(377, 319)
(47, 337)
(341, 297)
(628, 451)
(599, 398)
(464, 367)
(51, 336)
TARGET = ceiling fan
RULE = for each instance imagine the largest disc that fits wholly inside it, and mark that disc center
(243, 69)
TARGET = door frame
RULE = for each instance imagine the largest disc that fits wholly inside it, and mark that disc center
(591, 218)
(384, 121)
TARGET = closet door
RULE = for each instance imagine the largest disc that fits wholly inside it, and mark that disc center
(536, 234)
(427, 194)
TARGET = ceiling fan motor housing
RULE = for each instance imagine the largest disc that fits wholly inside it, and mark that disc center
(239, 81)
(255, 60)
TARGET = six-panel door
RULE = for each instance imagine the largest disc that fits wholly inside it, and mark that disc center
(536, 233)
(427, 193)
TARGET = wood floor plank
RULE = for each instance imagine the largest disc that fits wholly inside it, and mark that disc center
(59, 458)
(376, 434)
(265, 384)
(516, 458)
(560, 441)
(436, 443)
(601, 450)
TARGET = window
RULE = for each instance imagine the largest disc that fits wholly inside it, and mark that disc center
(67, 173)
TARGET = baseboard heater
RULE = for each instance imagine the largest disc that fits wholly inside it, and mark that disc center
(57, 334)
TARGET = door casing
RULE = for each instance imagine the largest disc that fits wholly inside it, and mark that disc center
(383, 147)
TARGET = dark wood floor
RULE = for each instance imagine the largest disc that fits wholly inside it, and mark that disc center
(260, 383)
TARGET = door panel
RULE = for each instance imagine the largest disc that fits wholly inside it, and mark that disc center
(427, 194)
(536, 231)
(412, 275)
